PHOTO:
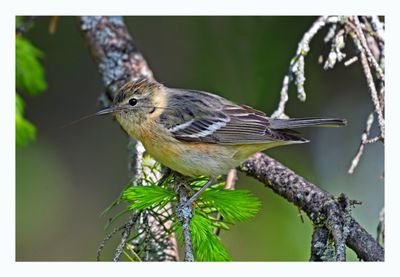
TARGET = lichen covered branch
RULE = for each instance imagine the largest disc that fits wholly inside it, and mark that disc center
(319, 245)
(320, 206)
(296, 67)
(364, 141)
(119, 61)
(184, 213)
(114, 52)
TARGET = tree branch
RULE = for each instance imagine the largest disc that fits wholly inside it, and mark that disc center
(184, 213)
(119, 61)
(319, 243)
(320, 206)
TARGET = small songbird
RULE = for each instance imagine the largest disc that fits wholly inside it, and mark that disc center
(199, 133)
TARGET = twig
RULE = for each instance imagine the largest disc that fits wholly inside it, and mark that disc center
(315, 202)
(184, 213)
(374, 94)
(351, 61)
(378, 28)
(369, 55)
(125, 235)
(381, 227)
(296, 66)
(336, 54)
(231, 179)
(105, 239)
(230, 183)
(364, 139)
(366, 58)
(53, 24)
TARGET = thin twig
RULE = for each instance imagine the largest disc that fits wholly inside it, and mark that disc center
(231, 179)
(378, 28)
(370, 57)
(230, 183)
(105, 239)
(364, 139)
(351, 61)
(381, 227)
(336, 54)
(125, 235)
(296, 66)
(53, 25)
(184, 213)
(374, 94)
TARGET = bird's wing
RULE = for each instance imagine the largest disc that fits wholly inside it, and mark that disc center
(203, 117)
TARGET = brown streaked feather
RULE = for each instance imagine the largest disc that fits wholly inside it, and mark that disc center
(216, 120)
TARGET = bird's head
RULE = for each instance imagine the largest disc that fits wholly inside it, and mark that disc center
(135, 102)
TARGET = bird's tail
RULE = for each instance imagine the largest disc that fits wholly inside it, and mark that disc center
(306, 122)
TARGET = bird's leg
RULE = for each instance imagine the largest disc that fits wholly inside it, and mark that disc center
(197, 193)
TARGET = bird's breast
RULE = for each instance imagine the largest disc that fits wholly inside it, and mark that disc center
(193, 159)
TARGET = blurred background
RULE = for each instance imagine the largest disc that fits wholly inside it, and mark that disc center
(68, 176)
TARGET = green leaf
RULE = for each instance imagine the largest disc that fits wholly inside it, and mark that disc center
(144, 197)
(25, 131)
(29, 71)
(233, 205)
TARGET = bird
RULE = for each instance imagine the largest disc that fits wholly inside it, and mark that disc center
(197, 133)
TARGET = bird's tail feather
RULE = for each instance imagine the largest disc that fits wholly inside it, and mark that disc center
(306, 122)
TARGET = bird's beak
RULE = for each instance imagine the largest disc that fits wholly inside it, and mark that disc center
(107, 110)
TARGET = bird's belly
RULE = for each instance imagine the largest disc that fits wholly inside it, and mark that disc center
(195, 159)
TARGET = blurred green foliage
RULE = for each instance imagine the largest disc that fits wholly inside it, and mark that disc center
(30, 79)
(25, 131)
(29, 71)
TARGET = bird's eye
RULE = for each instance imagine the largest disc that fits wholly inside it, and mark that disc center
(132, 102)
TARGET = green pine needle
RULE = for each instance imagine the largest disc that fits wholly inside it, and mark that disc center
(144, 197)
(233, 205)
(207, 246)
